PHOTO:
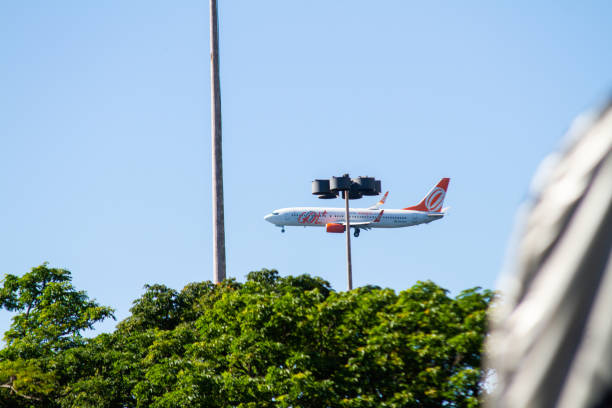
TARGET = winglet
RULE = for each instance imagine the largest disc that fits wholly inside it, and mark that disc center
(379, 215)
(380, 203)
(382, 200)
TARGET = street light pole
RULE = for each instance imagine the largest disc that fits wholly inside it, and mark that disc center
(350, 189)
(217, 162)
(349, 266)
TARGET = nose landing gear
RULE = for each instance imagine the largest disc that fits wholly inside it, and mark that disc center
(283, 228)
(356, 234)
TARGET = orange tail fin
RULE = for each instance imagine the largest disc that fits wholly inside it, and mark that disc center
(434, 199)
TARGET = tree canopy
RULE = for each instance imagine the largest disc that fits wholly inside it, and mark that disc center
(50, 316)
(269, 342)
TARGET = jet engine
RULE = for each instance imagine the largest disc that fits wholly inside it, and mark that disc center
(332, 227)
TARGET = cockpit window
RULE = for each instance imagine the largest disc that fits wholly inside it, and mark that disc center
(275, 213)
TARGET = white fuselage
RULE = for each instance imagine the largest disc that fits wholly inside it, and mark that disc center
(321, 216)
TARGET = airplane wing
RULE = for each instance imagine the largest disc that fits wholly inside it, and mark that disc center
(380, 203)
(366, 225)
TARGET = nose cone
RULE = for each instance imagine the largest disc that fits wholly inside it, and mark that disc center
(274, 217)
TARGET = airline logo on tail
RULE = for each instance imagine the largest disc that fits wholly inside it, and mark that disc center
(434, 200)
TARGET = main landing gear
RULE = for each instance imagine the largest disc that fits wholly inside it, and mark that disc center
(283, 228)
(356, 234)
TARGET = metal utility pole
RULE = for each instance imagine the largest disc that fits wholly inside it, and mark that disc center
(349, 265)
(217, 162)
(351, 189)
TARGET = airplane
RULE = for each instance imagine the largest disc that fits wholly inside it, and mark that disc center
(333, 219)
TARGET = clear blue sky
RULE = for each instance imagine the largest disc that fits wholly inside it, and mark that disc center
(105, 132)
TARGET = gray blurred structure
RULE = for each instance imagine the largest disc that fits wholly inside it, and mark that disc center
(551, 338)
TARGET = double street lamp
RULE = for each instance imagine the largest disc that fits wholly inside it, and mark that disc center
(350, 189)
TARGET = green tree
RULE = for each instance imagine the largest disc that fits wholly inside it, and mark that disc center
(50, 315)
(270, 342)
(293, 342)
